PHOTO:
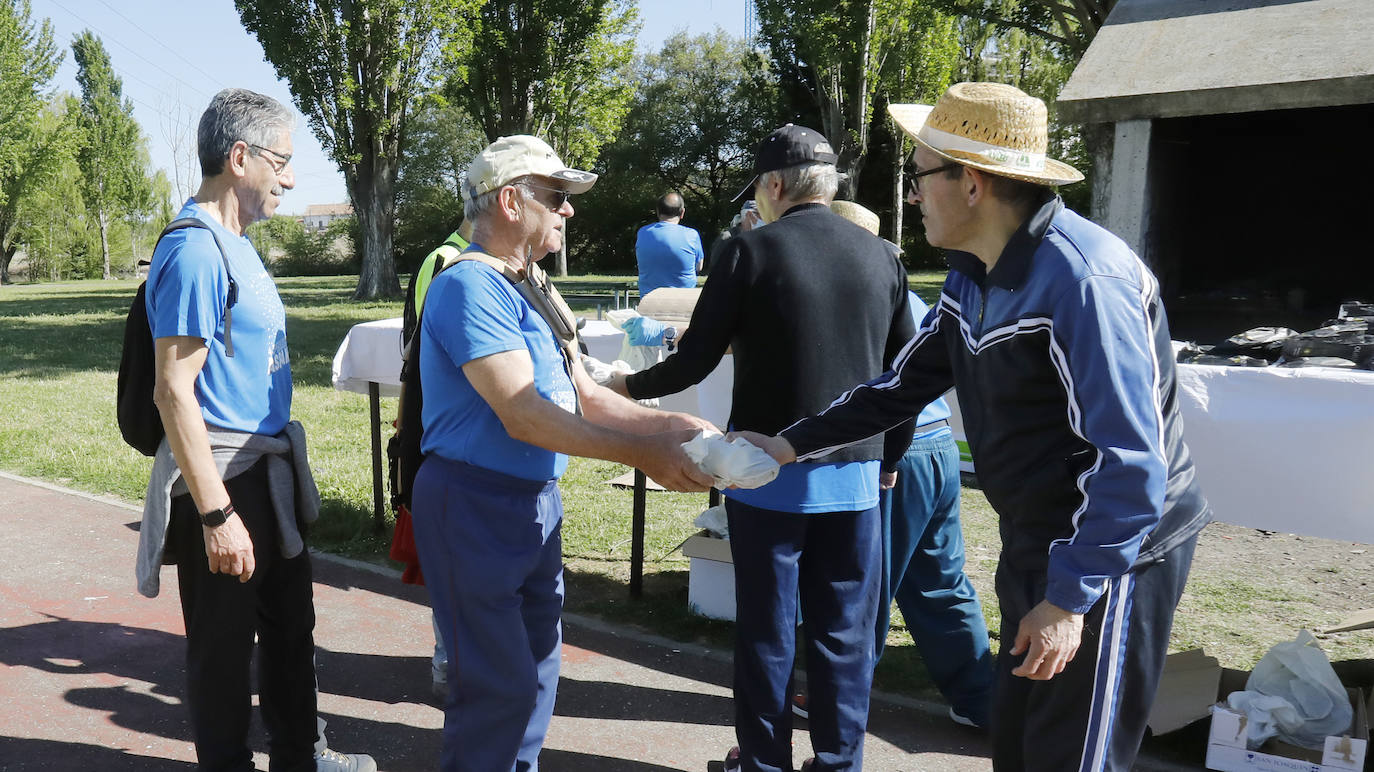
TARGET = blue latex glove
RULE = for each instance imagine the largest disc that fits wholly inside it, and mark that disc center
(644, 331)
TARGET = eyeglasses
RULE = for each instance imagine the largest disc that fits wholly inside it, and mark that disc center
(913, 177)
(560, 195)
(278, 162)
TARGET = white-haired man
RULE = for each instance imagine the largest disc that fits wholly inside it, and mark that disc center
(809, 304)
(506, 403)
(1053, 333)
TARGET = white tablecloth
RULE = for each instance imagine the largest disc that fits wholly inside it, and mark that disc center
(1288, 450)
(370, 353)
(1281, 449)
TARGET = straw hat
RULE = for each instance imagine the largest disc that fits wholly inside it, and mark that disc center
(858, 214)
(992, 127)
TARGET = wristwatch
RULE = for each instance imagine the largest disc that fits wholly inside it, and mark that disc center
(216, 516)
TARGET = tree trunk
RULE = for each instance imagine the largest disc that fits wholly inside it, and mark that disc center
(6, 255)
(560, 260)
(898, 192)
(104, 222)
(374, 204)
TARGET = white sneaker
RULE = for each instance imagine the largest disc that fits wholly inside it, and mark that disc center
(329, 760)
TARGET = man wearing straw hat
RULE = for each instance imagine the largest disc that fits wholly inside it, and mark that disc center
(1053, 333)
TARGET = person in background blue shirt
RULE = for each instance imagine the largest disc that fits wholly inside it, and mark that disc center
(669, 253)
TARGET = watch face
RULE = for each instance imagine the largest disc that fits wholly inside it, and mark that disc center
(214, 517)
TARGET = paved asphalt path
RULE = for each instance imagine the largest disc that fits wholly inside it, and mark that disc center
(91, 671)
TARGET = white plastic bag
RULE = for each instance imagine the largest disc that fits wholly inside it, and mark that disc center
(1299, 672)
(714, 520)
(738, 464)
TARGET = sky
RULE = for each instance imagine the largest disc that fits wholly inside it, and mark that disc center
(174, 56)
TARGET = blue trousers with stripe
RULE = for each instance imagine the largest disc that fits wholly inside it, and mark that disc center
(1091, 717)
(492, 552)
(827, 568)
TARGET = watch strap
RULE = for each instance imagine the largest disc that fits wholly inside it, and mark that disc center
(216, 517)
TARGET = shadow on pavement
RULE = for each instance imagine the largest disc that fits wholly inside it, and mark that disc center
(27, 754)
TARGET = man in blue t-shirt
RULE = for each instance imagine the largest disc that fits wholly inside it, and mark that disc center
(506, 401)
(230, 489)
(669, 253)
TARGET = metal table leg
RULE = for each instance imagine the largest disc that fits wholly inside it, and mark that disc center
(637, 536)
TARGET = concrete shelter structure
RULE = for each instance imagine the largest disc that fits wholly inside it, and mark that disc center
(1233, 153)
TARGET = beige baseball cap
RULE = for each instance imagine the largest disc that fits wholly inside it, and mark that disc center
(509, 158)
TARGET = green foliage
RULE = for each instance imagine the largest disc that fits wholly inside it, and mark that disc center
(702, 105)
(290, 250)
(32, 144)
(109, 141)
(442, 141)
(558, 69)
(355, 70)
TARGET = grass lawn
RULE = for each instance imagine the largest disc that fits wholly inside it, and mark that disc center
(59, 350)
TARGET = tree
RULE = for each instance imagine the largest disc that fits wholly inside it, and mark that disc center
(429, 190)
(32, 145)
(702, 105)
(356, 67)
(835, 53)
(1069, 23)
(557, 69)
(109, 140)
(925, 53)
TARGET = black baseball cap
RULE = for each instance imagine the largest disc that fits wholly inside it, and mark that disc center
(791, 145)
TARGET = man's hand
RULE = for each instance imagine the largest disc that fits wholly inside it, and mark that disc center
(777, 447)
(887, 480)
(1052, 636)
(664, 460)
(229, 549)
(617, 384)
(686, 421)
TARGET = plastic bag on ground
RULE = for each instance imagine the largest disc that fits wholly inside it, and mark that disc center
(1298, 673)
(737, 464)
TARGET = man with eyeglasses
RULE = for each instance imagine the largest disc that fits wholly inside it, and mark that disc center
(1054, 335)
(809, 304)
(507, 400)
(231, 491)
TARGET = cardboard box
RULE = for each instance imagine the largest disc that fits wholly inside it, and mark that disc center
(711, 582)
(1226, 750)
(1193, 684)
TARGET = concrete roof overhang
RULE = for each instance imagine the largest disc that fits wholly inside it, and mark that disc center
(1177, 58)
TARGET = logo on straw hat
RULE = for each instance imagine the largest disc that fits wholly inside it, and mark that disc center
(992, 127)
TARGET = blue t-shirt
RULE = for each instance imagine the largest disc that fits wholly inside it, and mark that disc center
(809, 487)
(472, 311)
(668, 254)
(187, 287)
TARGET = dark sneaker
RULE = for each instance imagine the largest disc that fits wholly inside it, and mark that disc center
(808, 764)
(732, 762)
(800, 706)
(329, 760)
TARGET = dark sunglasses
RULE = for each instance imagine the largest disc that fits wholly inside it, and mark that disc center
(560, 195)
(913, 176)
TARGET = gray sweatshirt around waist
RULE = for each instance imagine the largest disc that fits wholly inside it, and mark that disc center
(290, 486)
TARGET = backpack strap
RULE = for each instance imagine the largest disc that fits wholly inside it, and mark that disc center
(534, 285)
(233, 295)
